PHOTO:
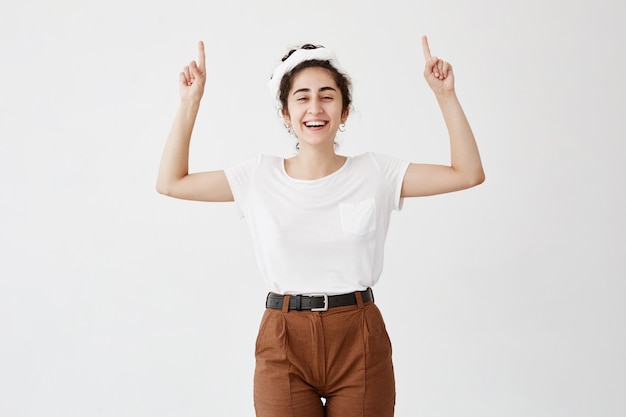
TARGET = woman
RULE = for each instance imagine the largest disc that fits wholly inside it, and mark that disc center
(318, 222)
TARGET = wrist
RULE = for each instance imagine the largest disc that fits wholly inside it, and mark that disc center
(189, 104)
(445, 95)
(446, 98)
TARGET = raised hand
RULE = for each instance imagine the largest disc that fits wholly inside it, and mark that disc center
(193, 78)
(438, 73)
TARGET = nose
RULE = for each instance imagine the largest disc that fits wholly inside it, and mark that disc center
(314, 106)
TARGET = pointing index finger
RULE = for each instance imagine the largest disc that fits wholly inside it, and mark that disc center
(426, 49)
(201, 56)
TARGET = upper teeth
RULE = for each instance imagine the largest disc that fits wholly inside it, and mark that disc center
(315, 123)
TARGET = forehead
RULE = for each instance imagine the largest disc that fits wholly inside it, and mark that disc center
(313, 78)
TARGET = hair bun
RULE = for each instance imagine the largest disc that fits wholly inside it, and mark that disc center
(305, 46)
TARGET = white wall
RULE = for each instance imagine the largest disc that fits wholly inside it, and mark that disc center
(504, 300)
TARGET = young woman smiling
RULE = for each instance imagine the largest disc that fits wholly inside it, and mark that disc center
(318, 222)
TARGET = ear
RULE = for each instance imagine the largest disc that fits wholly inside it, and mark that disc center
(345, 115)
(286, 118)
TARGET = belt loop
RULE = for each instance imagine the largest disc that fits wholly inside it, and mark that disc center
(286, 298)
(359, 299)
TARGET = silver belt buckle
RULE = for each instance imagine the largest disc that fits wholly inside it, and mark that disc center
(325, 308)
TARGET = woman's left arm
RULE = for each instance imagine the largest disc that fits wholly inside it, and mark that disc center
(465, 169)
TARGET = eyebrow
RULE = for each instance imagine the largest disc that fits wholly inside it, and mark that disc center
(307, 90)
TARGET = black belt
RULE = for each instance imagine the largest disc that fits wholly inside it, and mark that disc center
(317, 302)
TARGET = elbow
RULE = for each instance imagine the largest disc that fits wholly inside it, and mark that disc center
(163, 189)
(167, 185)
(478, 178)
(474, 179)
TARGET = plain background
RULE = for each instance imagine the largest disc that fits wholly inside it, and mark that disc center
(503, 300)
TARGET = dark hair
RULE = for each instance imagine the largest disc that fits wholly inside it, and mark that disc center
(342, 81)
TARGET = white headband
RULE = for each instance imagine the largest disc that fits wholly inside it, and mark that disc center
(296, 58)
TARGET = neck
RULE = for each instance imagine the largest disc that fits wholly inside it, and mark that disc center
(313, 163)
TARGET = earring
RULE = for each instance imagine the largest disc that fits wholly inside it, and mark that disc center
(342, 127)
(289, 129)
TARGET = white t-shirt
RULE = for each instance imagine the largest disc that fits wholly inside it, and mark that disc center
(319, 236)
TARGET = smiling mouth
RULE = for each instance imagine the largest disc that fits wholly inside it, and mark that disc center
(315, 123)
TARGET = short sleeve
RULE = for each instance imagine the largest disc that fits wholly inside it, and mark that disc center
(394, 170)
(239, 178)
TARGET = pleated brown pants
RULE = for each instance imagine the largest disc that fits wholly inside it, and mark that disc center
(342, 355)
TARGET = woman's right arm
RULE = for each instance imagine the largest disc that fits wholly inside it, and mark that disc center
(174, 179)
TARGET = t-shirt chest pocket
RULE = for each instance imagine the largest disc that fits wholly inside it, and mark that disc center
(358, 217)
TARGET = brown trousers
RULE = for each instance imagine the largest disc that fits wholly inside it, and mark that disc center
(342, 355)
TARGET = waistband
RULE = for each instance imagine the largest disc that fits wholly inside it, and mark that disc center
(317, 302)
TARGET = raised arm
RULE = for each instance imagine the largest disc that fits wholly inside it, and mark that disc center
(174, 179)
(465, 169)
